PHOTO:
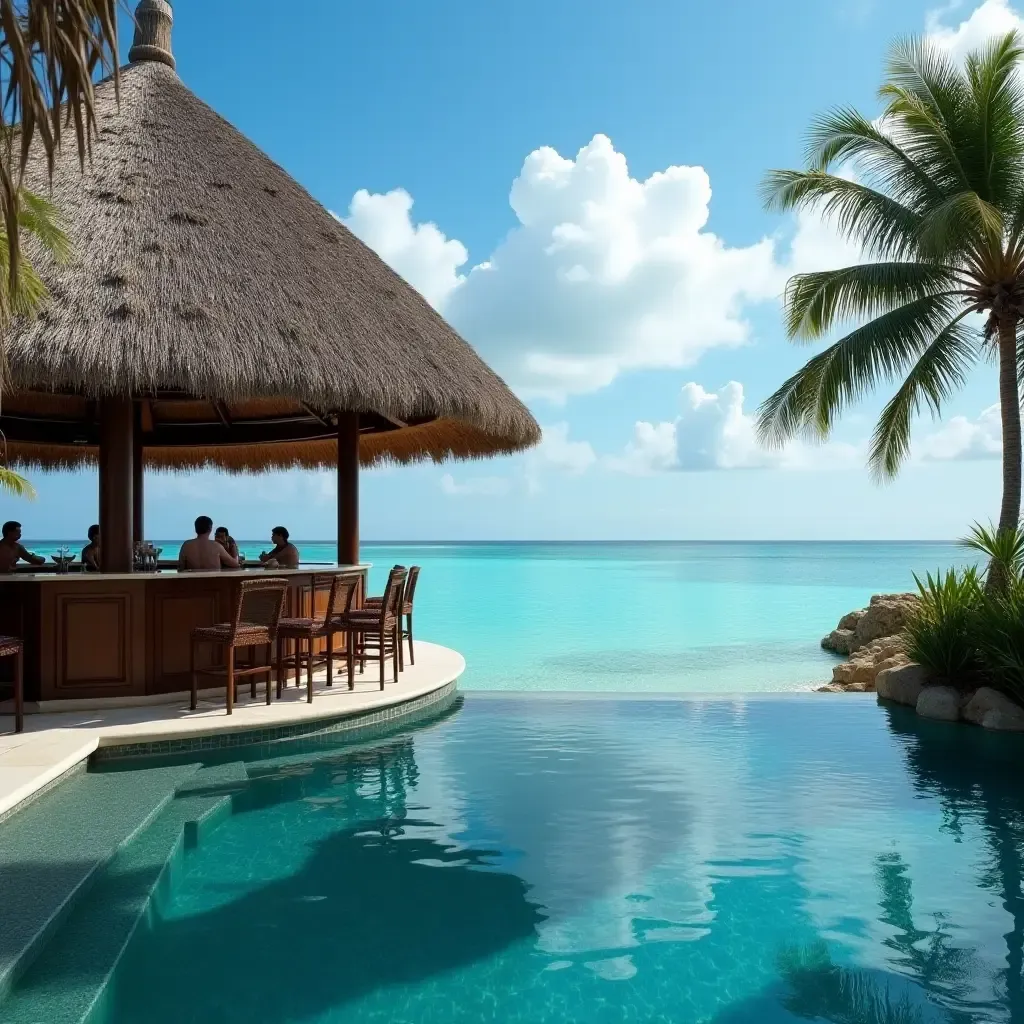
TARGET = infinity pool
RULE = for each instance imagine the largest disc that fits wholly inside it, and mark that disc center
(605, 860)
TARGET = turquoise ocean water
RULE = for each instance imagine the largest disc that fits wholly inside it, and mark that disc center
(641, 617)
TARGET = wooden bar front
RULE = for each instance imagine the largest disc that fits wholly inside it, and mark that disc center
(122, 635)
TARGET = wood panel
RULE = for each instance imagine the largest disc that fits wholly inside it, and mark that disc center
(176, 607)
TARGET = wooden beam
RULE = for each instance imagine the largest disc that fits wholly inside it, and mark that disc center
(348, 488)
(222, 412)
(322, 420)
(146, 418)
(115, 465)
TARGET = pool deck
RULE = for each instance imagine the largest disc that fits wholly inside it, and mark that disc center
(55, 741)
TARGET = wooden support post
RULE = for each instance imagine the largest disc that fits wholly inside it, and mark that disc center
(348, 488)
(115, 463)
(138, 485)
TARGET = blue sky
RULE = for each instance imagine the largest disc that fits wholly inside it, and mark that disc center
(645, 126)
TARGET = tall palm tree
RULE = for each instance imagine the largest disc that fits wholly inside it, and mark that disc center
(936, 200)
(50, 51)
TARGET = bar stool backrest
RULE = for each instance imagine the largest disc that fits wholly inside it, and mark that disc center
(343, 592)
(410, 589)
(391, 603)
(260, 603)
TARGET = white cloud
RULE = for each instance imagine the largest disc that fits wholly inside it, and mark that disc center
(477, 487)
(992, 18)
(556, 451)
(713, 431)
(960, 438)
(421, 253)
(603, 272)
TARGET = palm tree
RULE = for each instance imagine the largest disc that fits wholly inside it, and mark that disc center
(936, 202)
(51, 52)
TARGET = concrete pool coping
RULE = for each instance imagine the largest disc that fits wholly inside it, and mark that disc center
(55, 743)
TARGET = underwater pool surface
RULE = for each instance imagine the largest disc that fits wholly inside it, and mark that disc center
(540, 860)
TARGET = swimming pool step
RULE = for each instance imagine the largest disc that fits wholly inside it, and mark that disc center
(52, 851)
(68, 983)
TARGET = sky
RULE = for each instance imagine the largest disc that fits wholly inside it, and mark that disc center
(573, 184)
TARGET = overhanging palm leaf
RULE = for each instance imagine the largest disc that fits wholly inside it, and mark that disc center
(938, 205)
(51, 52)
(14, 484)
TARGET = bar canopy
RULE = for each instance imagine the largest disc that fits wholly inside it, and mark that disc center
(244, 323)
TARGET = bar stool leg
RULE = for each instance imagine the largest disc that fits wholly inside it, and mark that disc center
(330, 657)
(309, 673)
(252, 664)
(412, 655)
(195, 676)
(19, 691)
(231, 679)
(350, 659)
(280, 665)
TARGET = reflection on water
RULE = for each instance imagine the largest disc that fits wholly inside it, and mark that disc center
(548, 860)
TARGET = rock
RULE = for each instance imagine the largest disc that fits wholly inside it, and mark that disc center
(901, 683)
(885, 616)
(850, 619)
(994, 710)
(840, 640)
(939, 702)
(859, 673)
(1003, 722)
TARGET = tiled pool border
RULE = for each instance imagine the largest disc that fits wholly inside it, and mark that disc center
(353, 726)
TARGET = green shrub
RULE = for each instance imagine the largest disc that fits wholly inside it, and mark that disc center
(940, 634)
(999, 637)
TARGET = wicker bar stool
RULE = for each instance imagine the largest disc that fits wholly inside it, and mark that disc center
(407, 600)
(339, 603)
(374, 633)
(13, 647)
(257, 613)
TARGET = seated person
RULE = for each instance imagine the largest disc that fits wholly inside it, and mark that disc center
(11, 550)
(203, 553)
(91, 552)
(285, 554)
(226, 541)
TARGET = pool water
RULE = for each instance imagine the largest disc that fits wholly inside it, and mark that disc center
(545, 859)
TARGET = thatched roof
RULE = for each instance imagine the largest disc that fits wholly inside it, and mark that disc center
(204, 271)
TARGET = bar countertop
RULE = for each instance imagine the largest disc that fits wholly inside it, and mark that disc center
(23, 576)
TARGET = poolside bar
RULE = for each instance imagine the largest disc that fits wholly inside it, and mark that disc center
(215, 316)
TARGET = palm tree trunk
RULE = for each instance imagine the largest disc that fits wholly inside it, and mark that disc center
(1009, 410)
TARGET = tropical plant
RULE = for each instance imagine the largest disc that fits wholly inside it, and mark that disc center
(51, 52)
(936, 202)
(1004, 549)
(939, 634)
(998, 635)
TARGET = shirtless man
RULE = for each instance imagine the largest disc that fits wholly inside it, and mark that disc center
(12, 551)
(91, 552)
(285, 554)
(203, 553)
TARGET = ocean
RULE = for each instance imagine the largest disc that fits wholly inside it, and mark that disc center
(624, 617)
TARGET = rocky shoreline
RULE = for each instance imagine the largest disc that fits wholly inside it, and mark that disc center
(870, 638)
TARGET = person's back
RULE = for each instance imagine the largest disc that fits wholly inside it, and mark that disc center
(203, 553)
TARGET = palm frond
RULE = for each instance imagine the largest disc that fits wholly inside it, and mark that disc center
(939, 372)
(963, 223)
(15, 484)
(929, 95)
(879, 350)
(882, 225)
(815, 302)
(844, 136)
(996, 156)
(51, 51)
(1004, 549)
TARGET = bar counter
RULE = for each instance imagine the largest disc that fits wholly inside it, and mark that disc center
(90, 635)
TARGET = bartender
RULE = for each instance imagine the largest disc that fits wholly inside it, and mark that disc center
(12, 551)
